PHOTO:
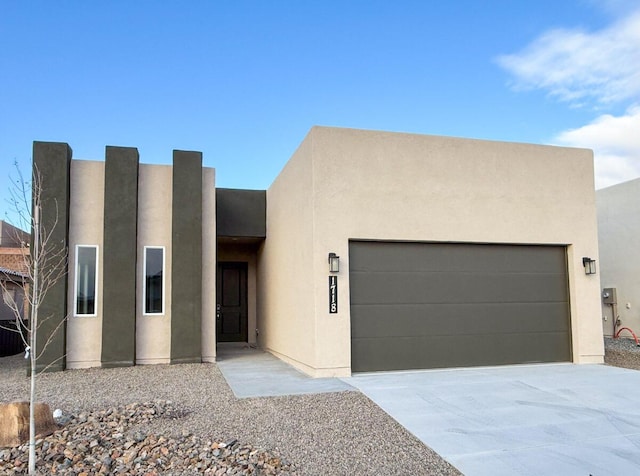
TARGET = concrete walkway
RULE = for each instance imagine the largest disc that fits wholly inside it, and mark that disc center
(253, 373)
(513, 420)
(519, 420)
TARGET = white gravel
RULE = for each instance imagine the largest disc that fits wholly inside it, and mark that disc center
(324, 434)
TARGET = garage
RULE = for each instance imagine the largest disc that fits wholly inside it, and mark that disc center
(437, 305)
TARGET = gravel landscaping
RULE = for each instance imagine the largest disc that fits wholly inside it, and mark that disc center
(622, 352)
(184, 419)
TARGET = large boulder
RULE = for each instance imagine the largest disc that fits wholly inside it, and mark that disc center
(14, 422)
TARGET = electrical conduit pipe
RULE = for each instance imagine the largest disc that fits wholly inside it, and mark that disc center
(616, 321)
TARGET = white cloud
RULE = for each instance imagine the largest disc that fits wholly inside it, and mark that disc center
(615, 141)
(598, 68)
(576, 66)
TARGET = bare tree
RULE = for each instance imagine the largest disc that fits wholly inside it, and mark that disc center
(45, 262)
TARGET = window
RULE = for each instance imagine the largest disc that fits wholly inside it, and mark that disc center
(86, 280)
(153, 280)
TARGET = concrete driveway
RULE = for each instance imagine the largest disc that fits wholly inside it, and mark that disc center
(519, 420)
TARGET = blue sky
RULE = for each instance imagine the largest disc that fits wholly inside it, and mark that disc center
(243, 81)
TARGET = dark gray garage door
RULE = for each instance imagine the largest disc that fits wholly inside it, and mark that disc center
(432, 305)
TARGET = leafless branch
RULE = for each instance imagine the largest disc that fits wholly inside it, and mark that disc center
(51, 364)
(43, 347)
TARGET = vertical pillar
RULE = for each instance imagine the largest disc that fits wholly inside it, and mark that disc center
(51, 167)
(120, 254)
(209, 265)
(186, 258)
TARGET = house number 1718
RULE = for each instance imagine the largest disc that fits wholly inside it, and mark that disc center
(333, 294)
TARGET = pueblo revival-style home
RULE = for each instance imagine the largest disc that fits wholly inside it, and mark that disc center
(370, 251)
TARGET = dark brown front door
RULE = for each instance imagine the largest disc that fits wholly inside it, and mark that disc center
(231, 319)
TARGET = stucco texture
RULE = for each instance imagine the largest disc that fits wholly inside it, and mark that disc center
(619, 235)
(209, 265)
(345, 184)
(153, 331)
(86, 218)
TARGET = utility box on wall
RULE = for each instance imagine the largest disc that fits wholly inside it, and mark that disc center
(609, 296)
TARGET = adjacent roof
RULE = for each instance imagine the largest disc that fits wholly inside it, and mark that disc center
(11, 272)
(11, 236)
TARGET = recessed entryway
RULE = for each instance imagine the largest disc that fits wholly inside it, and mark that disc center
(232, 310)
(236, 291)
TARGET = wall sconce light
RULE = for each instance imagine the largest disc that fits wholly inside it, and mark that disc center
(589, 265)
(334, 263)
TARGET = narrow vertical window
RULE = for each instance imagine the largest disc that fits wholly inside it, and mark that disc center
(86, 280)
(153, 280)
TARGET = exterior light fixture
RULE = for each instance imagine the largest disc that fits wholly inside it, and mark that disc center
(334, 263)
(589, 265)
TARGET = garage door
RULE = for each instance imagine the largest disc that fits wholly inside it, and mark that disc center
(433, 305)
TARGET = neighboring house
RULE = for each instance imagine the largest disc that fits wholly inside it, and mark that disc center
(12, 290)
(451, 253)
(11, 236)
(619, 242)
(13, 244)
(13, 279)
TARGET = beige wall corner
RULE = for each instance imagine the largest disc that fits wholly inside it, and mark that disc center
(333, 372)
(209, 264)
(286, 298)
(584, 294)
(153, 332)
(86, 218)
(591, 359)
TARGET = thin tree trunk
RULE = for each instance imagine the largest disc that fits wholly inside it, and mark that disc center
(33, 350)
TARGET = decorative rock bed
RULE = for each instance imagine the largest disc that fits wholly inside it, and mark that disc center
(112, 441)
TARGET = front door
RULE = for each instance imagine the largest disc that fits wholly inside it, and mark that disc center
(232, 316)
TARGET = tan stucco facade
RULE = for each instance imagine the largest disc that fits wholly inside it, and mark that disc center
(153, 331)
(619, 240)
(154, 229)
(209, 265)
(339, 186)
(86, 218)
(344, 184)
(286, 272)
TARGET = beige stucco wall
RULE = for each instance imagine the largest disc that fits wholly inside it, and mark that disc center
(286, 293)
(349, 184)
(153, 332)
(209, 266)
(86, 213)
(619, 266)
